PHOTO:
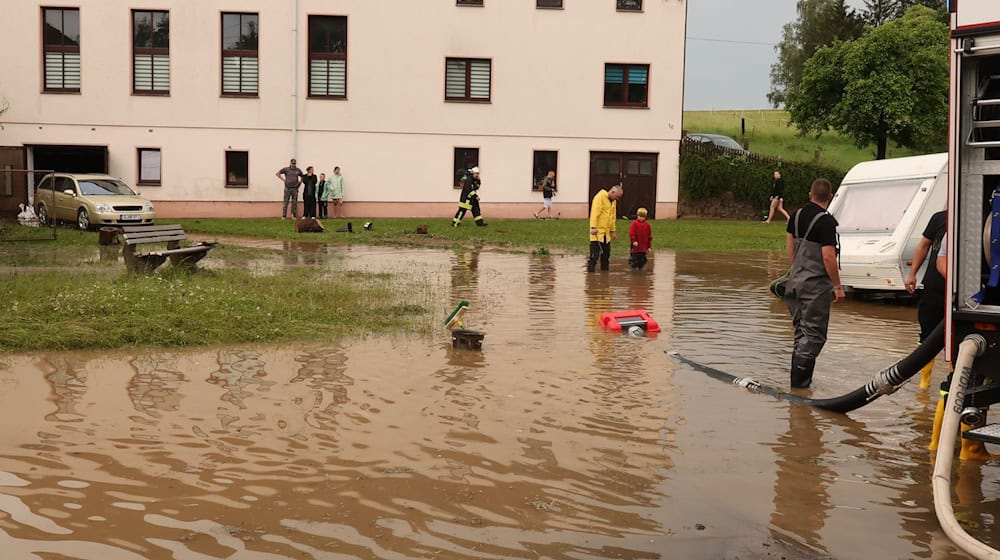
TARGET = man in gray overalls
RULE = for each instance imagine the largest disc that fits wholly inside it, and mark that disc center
(812, 248)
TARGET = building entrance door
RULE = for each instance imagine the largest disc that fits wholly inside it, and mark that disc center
(13, 185)
(635, 171)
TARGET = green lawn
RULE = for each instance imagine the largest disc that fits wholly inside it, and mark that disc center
(769, 133)
(513, 235)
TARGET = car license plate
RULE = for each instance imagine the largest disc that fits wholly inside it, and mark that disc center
(129, 217)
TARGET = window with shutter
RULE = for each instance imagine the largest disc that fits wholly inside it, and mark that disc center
(150, 52)
(328, 56)
(149, 166)
(61, 49)
(467, 79)
(626, 85)
(239, 54)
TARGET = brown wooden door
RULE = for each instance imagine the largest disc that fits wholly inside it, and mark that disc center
(635, 171)
(13, 185)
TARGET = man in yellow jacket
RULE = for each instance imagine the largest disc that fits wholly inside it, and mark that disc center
(603, 213)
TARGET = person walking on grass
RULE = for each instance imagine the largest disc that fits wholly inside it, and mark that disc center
(469, 199)
(337, 193)
(777, 199)
(548, 191)
(309, 194)
(812, 247)
(323, 196)
(603, 212)
(292, 177)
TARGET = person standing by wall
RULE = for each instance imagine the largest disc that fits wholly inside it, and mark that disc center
(323, 196)
(469, 199)
(812, 247)
(337, 193)
(292, 177)
(548, 191)
(309, 194)
(930, 308)
(777, 199)
(603, 212)
(641, 236)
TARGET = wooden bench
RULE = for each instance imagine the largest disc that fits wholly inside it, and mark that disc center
(172, 235)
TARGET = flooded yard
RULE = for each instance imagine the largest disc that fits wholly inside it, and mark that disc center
(556, 441)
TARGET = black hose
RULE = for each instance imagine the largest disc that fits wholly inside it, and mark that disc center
(885, 382)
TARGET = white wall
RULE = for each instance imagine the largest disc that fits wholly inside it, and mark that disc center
(394, 134)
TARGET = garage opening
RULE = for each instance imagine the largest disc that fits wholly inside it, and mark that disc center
(70, 159)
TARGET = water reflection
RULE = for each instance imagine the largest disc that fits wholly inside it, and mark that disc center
(557, 440)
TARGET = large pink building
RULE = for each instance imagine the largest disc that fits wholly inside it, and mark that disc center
(200, 103)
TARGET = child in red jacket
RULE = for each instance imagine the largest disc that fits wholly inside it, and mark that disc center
(641, 237)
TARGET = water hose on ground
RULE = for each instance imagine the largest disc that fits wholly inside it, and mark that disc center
(885, 382)
(972, 347)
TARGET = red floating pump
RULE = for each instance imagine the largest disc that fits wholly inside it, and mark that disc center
(623, 320)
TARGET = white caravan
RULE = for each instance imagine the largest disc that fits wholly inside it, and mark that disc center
(882, 208)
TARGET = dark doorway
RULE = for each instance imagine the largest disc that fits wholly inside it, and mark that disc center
(71, 159)
(13, 185)
(635, 171)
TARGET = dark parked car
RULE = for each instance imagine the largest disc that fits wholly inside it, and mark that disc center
(716, 139)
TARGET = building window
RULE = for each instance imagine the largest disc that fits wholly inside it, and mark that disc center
(61, 49)
(542, 162)
(469, 2)
(548, 4)
(465, 159)
(150, 52)
(328, 56)
(626, 85)
(149, 166)
(237, 169)
(239, 54)
(467, 79)
(629, 5)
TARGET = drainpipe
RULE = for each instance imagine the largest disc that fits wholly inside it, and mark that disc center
(295, 77)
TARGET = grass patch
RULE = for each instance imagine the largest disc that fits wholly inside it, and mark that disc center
(43, 311)
(770, 134)
(514, 235)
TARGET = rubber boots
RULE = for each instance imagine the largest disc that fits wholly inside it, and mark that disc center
(938, 418)
(802, 371)
(974, 450)
(925, 375)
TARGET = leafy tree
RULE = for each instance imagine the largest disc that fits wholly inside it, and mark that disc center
(890, 83)
(878, 12)
(819, 23)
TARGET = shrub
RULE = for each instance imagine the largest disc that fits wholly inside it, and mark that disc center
(748, 178)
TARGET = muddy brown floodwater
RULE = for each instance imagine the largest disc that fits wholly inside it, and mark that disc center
(557, 441)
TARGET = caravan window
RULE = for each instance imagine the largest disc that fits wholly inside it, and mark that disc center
(876, 206)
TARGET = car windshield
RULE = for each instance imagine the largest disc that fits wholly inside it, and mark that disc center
(100, 187)
(726, 142)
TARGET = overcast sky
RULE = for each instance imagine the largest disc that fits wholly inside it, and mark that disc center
(730, 50)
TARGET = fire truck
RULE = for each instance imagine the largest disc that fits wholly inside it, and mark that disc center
(972, 323)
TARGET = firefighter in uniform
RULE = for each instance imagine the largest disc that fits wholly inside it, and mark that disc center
(469, 199)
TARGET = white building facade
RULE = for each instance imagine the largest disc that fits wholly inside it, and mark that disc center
(200, 103)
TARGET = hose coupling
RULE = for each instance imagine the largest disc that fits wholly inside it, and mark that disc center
(975, 417)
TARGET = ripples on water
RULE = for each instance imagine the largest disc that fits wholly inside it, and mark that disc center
(557, 441)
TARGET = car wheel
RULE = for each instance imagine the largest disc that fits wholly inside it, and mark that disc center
(43, 214)
(83, 219)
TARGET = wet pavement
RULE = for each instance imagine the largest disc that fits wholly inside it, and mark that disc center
(556, 441)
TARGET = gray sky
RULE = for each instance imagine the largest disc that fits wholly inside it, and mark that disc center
(730, 50)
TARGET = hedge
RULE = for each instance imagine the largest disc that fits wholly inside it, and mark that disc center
(749, 179)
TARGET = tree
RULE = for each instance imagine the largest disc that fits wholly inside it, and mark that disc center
(820, 23)
(877, 12)
(890, 83)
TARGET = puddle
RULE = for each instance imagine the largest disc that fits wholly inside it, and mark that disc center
(556, 441)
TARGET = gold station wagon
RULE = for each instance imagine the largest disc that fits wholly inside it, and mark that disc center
(90, 200)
